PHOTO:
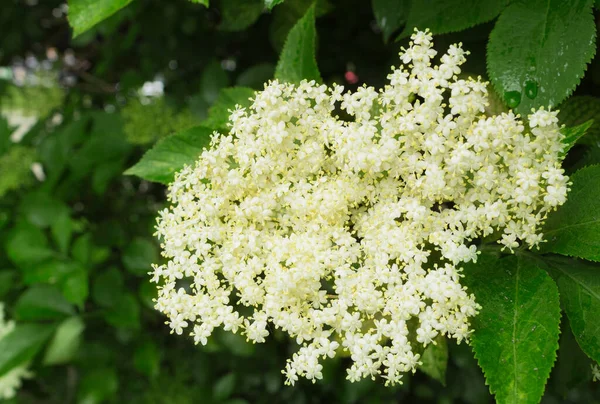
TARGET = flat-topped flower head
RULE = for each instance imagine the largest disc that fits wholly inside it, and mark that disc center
(348, 235)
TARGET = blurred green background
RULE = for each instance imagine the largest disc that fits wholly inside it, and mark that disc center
(76, 235)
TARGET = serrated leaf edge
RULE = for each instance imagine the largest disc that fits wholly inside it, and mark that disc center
(554, 351)
(405, 34)
(287, 39)
(132, 170)
(495, 82)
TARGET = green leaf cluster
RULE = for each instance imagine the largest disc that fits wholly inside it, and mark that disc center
(146, 122)
(296, 62)
(77, 246)
(84, 14)
(537, 51)
(516, 335)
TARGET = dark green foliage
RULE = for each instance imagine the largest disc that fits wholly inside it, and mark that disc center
(84, 14)
(390, 15)
(435, 360)
(22, 344)
(538, 51)
(65, 343)
(573, 134)
(574, 229)
(516, 333)
(77, 246)
(579, 288)
(443, 16)
(237, 15)
(171, 154)
(297, 60)
(151, 120)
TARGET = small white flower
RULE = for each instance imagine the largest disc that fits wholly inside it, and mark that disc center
(21, 121)
(324, 229)
(595, 372)
(11, 382)
(152, 89)
(38, 170)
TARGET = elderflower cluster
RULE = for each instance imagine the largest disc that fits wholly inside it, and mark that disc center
(11, 381)
(348, 234)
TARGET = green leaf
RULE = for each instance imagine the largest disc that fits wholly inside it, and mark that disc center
(272, 3)
(297, 60)
(443, 16)
(104, 173)
(572, 365)
(151, 119)
(205, 3)
(42, 302)
(82, 248)
(213, 79)
(234, 343)
(224, 387)
(287, 15)
(5, 215)
(171, 154)
(139, 256)
(107, 287)
(7, 281)
(579, 285)
(106, 143)
(75, 285)
(99, 255)
(591, 156)
(15, 167)
(146, 359)
(98, 385)
(41, 209)
(27, 245)
(65, 343)
(147, 292)
(22, 344)
(573, 134)
(538, 51)
(516, 332)
(84, 14)
(50, 271)
(55, 151)
(256, 76)
(581, 109)
(5, 132)
(237, 15)
(218, 114)
(435, 360)
(111, 233)
(576, 111)
(574, 229)
(62, 229)
(390, 15)
(125, 313)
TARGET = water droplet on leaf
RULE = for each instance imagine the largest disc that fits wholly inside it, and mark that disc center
(513, 98)
(531, 89)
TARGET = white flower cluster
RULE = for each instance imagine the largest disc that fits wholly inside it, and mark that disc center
(348, 234)
(11, 381)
